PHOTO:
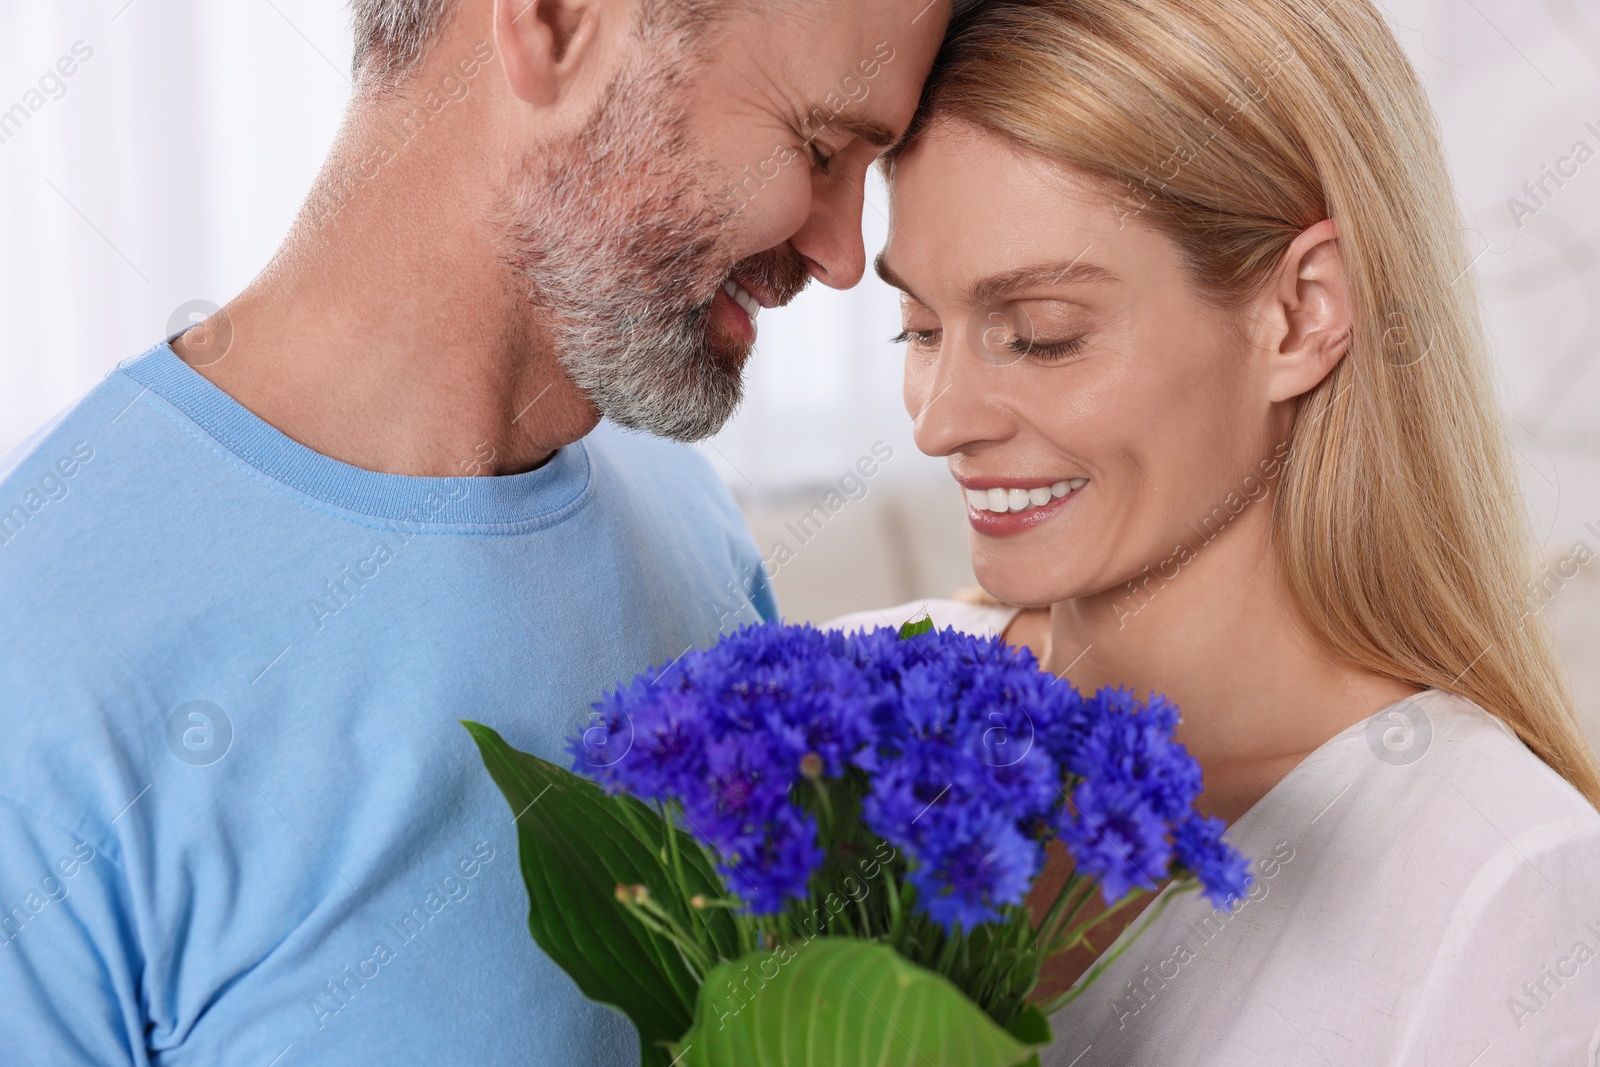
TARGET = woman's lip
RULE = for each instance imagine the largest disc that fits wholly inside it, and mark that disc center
(1008, 523)
(1013, 483)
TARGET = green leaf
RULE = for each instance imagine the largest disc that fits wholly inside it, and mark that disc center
(840, 1002)
(917, 627)
(576, 846)
(1032, 1027)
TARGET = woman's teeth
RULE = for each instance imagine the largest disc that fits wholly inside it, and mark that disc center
(1004, 500)
(751, 305)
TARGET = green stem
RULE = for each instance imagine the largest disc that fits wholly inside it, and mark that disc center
(693, 956)
(1065, 921)
(947, 955)
(1100, 966)
(1048, 923)
(827, 807)
(677, 861)
(896, 915)
(671, 849)
(1069, 938)
(866, 917)
(720, 902)
(687, 938)
(845, 927)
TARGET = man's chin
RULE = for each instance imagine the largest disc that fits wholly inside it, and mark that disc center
(732, 355)
(685, 422)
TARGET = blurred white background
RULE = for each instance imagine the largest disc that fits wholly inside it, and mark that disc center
(169, 164)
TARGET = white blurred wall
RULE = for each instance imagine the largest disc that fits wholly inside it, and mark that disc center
(168, 165)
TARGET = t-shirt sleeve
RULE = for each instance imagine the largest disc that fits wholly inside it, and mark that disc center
(762, 596)
(68, 974)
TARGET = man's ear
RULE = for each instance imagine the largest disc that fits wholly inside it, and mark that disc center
(1307, 309)
(542, 43)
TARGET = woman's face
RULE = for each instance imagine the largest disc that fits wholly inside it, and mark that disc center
(1100, 417)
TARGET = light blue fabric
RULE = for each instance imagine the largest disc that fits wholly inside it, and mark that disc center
(239, 820)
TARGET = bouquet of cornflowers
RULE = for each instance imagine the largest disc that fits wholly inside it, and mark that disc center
(803, 847)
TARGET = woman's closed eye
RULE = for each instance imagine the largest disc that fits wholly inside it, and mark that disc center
(918, 338)
(1046, 351)
(1024, 347)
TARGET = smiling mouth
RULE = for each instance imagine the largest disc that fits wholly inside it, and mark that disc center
(743, 297)
(1003, 500)
(737, 307)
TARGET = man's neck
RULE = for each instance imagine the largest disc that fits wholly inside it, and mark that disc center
(388, 334)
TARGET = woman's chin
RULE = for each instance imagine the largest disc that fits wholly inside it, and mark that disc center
(1018, 586)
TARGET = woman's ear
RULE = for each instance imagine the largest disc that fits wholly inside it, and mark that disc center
(542, 44)
(1307, 313)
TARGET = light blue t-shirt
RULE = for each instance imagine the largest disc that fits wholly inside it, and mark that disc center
(240, 822)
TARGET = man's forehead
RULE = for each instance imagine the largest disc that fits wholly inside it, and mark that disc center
(865, 78)
(836, 37)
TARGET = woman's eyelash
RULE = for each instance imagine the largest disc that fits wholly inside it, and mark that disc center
(1055, 350)
(1052, 351)
(821, 158)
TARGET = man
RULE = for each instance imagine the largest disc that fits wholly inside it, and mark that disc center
(256, 577)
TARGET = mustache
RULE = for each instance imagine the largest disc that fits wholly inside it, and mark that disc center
(778, 273)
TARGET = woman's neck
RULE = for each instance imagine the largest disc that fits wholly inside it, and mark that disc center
(1223, 638)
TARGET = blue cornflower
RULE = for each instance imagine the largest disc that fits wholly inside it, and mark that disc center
(967, 750)
(1198, 842)
(778, 868)
(974, 865)
(1115, 835)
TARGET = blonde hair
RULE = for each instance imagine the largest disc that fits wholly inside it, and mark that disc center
(1231, 126)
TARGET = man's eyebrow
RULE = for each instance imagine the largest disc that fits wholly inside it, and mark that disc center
(995, 286)
(871, 131)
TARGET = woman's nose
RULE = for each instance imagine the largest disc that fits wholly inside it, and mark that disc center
(957, 398)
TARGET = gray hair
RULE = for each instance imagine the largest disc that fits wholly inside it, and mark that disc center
(392, 36)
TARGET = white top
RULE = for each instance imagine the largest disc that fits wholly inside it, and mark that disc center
(1427, 892)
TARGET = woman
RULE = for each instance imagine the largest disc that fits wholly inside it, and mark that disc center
(1187, 309)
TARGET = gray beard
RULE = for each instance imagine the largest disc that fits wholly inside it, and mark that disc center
(620, 243)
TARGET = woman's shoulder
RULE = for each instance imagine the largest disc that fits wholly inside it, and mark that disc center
(1441, 778)
(1466, 754)
(984, 620)
(1508, 853)
(1436, 803)
(1424, 886)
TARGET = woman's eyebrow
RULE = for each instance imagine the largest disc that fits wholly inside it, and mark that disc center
(1068, 272)
(883, 270)
(989, 289)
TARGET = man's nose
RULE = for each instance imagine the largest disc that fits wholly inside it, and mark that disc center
(830, 237)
